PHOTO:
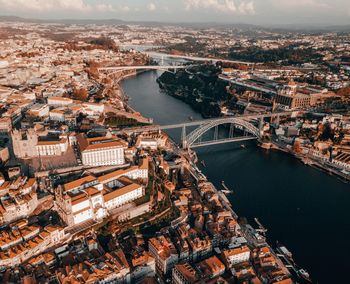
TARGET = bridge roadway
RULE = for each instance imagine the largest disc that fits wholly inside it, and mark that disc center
(142, 67)
(223, 141)
(251, 86)
(194, 58)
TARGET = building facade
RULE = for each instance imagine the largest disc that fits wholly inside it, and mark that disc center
(101, 151)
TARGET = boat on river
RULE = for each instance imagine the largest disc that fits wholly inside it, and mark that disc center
(300, 274)
(226, 190)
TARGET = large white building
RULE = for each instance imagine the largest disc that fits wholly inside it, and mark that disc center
(91, 198)
(101, 151)
(134, 172)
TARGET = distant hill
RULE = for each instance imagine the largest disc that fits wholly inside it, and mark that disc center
(198, 25)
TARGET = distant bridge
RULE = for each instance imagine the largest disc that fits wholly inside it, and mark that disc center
(145, 67)
(195, 58)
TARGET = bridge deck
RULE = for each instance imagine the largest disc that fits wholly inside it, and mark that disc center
(142, 67)
(223, 141)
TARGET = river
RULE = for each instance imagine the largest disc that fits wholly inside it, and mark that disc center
(303, 208)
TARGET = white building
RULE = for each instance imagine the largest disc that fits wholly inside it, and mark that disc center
(236, 255)
(96, 108)
(57, 115)
(101, 151)
(39, 110)
(91, 198)
(59, 101)
(26, 144)
(122, 196)
(135, 172)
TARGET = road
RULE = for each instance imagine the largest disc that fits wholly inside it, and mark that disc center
(195, 58)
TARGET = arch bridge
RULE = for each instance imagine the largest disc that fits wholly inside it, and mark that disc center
(250, 125)
(194, 139)
(167, 68)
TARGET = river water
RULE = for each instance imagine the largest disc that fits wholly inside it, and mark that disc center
(304, 209)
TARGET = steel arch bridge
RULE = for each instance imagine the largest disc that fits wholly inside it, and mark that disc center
(189, 141)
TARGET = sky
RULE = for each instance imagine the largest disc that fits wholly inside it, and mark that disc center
(265, 12)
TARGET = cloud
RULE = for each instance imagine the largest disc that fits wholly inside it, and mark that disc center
(105, 8)
(151, 6)
(60, 5)
(300, 4)
(243, 7)
(45, 5)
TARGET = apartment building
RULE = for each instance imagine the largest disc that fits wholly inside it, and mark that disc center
(18, 198)
(236, 255)
(20, 244)
(165, 253)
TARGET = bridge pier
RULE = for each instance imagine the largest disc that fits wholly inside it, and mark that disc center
(232, 129)
(183, 137)
(261, 124)
(216, 133)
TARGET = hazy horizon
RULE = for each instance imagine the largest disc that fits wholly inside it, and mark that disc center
(257, 12)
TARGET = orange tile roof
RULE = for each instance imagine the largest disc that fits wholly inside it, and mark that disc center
(60, 99)
(91, 191)
(63, 140)
(121, 191)
(116, 174)
(235, 251)
(91, 144)
(78, 182)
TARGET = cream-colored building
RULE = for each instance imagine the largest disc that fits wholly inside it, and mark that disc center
(59, 101)
(92, 199)
(26, 145)
(236, 255)
(39, 110)
(101, 151)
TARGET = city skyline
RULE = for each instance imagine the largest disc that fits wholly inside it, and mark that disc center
(259, 12)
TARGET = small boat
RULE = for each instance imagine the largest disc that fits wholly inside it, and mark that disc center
(190, 118)
(304, 275)
(203, 163)
(242, 146)
(224, 185)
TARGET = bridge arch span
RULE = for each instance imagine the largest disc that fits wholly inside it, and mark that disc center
(191, 138)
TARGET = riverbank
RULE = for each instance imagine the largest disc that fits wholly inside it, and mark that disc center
(128, 112)
(309, 162)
